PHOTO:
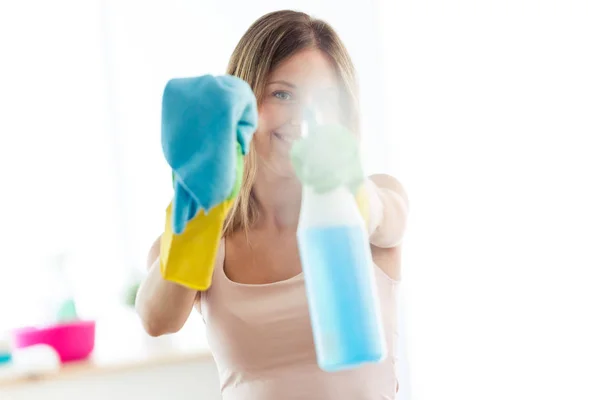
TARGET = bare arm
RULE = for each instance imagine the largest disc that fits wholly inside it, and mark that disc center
(163, 306)
(388, 211)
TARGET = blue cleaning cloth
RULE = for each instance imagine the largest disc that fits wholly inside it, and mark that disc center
(203, 121)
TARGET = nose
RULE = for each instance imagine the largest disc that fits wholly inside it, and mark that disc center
(309, 120)
(306, 112)
(297, 115)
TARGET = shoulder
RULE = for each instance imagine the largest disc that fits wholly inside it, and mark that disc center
(385, 181)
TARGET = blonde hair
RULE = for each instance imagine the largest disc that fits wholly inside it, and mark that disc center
(271, 39)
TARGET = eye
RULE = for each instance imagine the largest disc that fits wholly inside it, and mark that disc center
(282, 95)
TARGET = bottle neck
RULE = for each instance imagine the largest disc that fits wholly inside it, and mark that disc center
(335, 207)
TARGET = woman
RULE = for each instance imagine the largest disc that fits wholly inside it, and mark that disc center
(256, 311)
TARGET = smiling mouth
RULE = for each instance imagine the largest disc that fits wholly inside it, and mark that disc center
(285, 138)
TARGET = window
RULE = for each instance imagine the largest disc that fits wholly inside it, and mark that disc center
(492, 124)
(57, 159)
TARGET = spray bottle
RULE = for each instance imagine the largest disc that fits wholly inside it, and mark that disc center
(334, 250)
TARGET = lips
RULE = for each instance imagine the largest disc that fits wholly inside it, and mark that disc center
(286, 138)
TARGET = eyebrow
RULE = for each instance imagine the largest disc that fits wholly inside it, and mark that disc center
(286, 83)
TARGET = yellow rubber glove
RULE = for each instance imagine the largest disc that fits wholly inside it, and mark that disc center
(189, 258)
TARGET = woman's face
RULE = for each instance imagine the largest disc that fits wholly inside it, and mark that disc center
(306, 79)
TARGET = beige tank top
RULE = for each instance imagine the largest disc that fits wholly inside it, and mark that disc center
(261, 340)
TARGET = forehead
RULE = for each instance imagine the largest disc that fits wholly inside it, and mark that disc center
(309, 67)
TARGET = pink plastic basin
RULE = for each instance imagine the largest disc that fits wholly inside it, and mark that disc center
(72, 341)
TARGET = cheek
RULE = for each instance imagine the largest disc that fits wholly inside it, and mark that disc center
(267, 124)
(271, 117)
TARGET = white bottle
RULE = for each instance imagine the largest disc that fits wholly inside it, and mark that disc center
(340, 282)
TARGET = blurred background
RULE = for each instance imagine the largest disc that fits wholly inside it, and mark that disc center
(487, 112)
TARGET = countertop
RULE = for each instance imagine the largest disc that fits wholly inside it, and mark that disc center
(122, 344)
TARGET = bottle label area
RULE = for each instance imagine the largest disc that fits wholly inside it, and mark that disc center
(342, 295)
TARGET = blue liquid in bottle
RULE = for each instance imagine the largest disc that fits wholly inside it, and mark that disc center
(341, 292)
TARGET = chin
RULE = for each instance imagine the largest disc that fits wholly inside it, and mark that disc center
(279, 165)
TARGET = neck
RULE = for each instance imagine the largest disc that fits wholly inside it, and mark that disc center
(279, 199)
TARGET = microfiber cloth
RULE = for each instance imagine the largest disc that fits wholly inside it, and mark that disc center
(206, 122)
